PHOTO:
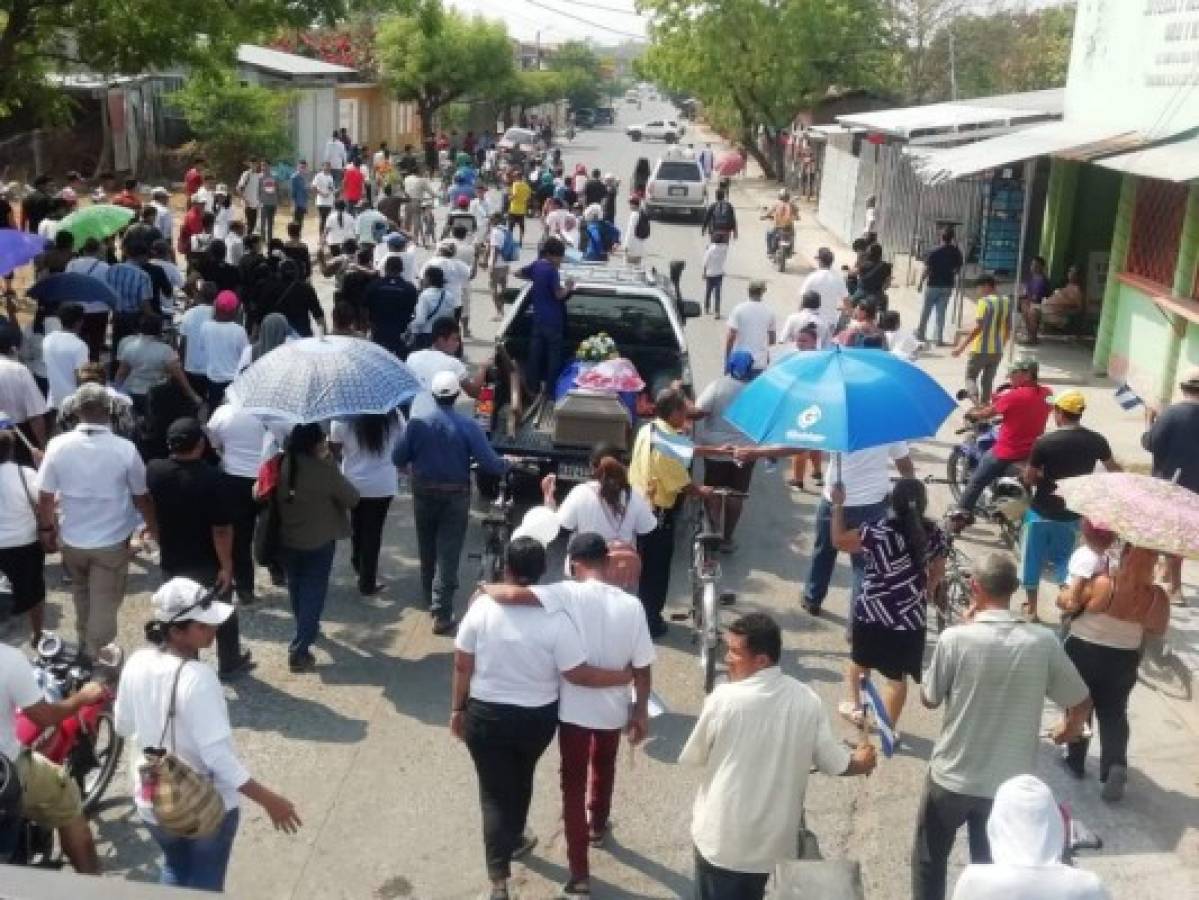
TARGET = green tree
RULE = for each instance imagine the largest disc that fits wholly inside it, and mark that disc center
(233, 121)
(582, 73)
(433, 56)
(38, 37)
(756, 63)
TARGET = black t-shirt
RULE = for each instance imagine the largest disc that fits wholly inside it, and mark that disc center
(158, 281)
(223, 275)
(873, 280)
(302, 256)
(594, 191)
(1064, 453)
(354, 285)
(390, 303)
(1174, 442)
(942, 265)
(297, 301)
(190, 499)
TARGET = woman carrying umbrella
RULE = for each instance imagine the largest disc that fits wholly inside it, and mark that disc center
(905, 559)
(1109, 614)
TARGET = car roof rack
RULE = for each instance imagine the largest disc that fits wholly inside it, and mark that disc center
(608, 273)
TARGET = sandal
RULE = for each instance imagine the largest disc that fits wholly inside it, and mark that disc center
(596, 838)
(796, 483)
(855, 715)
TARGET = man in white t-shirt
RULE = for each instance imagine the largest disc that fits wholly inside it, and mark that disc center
(457, 273)
(325, 188)
(442, 356)
(752, 328)
(49, 797)
(63, 352)
(830, 285)
(335, 158)
(615, 635)
(195, 359)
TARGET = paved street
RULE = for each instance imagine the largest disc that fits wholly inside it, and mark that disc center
(388, 798)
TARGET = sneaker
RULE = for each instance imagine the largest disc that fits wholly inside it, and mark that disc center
(812, 608)
(444, 627)
(246, 598)
(301, 662)
(576, 887)
(380, 587)
(527, 842)
(1075, 767)
(245, 663)
(1113, 786)
(659, 631)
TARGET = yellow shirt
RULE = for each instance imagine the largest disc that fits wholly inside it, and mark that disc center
(518, 202)
(994, 317)
(660, 478)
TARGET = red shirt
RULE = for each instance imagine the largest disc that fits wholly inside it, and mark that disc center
(129, 200)
(1025, 411)
(192, 181)
(351, 184)
(193, 224)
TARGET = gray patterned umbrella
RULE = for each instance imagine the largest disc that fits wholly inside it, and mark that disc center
(315, 379)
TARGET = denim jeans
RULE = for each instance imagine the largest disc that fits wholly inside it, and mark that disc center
(712, 286)
(545, 358)
(307, 586)
(198, 863)
(988, 469)
(715, 883)
(942, 813)
(441, 518)
(936, 299)
(824, 554)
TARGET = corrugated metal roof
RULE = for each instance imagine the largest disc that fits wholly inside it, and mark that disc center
(286, 63)
(1067, 139)
(1175, 161)
(962, 115)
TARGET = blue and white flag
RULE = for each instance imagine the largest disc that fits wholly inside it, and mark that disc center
(1127, 397)
(870, 699)
(678, 447)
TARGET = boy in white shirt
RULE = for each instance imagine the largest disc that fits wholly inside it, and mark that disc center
(714, 260)
(752, 327)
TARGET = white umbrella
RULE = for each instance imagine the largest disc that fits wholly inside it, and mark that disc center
(316, 379)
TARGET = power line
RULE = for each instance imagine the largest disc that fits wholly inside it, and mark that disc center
(587, 22)
(602, 8)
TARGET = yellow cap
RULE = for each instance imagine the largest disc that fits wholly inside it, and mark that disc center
(1072, 402)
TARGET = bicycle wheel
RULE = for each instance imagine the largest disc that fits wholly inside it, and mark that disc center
(491, 562)
(709, 638)
(957, 472)
(94, 764)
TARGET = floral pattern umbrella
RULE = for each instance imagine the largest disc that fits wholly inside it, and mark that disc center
(1145, 511)
(316, 379)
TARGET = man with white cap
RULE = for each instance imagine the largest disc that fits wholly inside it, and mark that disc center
(167, 677)
(1172, 438)
(1027, 836)
(160, 199)
(439, 446)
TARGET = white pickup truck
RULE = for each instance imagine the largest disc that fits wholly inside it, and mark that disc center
(657, 130)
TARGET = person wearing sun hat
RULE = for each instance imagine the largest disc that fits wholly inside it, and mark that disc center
(166, 676)
(1050, 529)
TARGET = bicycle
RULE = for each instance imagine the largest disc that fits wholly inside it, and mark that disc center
(499, 521)
(706, 596)
(951, 599)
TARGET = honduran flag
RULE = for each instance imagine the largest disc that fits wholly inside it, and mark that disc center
(1127, 397)
(678, 447)
(869, 699)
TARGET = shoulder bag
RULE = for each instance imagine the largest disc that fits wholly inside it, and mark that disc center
(185, 803)
(45, 538)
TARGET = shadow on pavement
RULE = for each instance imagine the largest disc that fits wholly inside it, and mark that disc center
(667, 735)
(264, 707)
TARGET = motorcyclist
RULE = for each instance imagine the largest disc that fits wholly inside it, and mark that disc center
(784, 214)
(1023, 410)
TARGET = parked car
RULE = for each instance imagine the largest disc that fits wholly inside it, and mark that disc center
(584, 118)
(605, 115)
(636, 308)
(657, 130)
(676, 185)
(632, 95)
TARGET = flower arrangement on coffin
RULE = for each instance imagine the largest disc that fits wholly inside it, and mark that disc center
(597, 348)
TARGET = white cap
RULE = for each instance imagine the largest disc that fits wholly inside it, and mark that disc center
(160, 191)
(445, 385)
(184, 600)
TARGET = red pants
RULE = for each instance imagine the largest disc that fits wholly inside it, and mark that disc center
(583, 749)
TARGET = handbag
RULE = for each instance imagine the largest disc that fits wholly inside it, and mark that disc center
(268, 524)
(185, 803)
(45, 538)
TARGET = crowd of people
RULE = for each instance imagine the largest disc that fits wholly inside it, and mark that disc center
(123, 442)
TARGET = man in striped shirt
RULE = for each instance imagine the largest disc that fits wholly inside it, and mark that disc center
(135, 295)
(992, 329)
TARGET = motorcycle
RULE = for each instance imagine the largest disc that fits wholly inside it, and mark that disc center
(86, 744)
(784, 248)
(1005, 500)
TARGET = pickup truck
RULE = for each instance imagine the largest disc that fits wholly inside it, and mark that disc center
(638, 308)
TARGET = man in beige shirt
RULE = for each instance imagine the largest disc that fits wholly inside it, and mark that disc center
(756, 740)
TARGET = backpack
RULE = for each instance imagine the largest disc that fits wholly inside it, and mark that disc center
(509, 250)
(723, 216)
(641, 230)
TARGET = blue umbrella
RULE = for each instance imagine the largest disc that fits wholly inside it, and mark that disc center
(840, 400)
(316, 379)
(72, 287)
(18, 247)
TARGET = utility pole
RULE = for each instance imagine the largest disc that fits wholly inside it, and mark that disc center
(537, 65)
(953, 69)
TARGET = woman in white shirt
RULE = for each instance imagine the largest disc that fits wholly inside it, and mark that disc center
(339, 228)
(224, 341)
(185, 621)
(607, 504)
(242, 442)
(366, 443)
(32, 337)
(507, 664)
(22, 560)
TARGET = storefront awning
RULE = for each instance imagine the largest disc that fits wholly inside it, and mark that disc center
(1175, 161)
(1067, 139)
(908, 123)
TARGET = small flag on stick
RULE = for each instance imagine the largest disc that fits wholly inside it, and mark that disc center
(678, 447)
(870, 700)
(1127, 397)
